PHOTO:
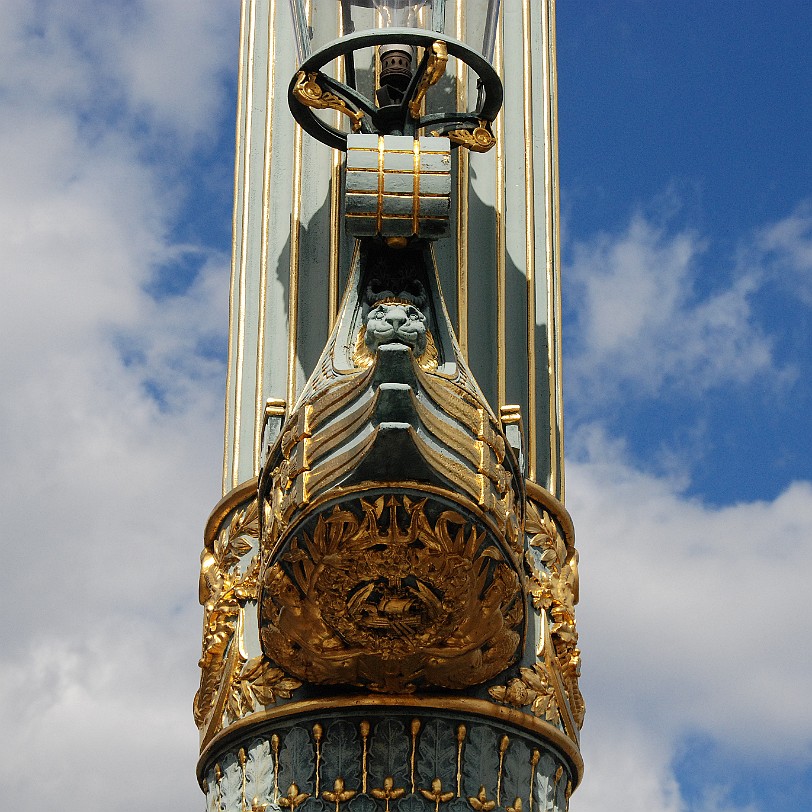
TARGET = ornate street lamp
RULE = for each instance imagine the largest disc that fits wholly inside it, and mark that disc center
(391, 53)
(389, 580)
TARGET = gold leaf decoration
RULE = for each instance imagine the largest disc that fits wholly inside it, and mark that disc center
(552, 569)
(259, 683)
(389, 596)
(228, 685)
(532, 688)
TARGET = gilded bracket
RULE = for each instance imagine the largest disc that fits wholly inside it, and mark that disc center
(435, 68)
(309, 92)
(480, 139)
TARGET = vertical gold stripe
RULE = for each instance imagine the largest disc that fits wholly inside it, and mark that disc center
(556, 365)
(379, 221)
(335, 238)
(416, 188)
(249, 104)
(550, 225)
(462, 196)
(293, 278)
(549, 252)
(530, 236)
(233, 277)
(376, 61)
(501, 318)
(259, 406)
(335, 206)
(295, 245)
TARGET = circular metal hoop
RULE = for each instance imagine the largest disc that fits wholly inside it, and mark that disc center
(364, 112)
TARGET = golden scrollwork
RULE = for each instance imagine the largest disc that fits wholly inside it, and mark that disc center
(307, 90)
(555, 591)
(438, 59)
(231, 685)
(386, 596)
(479, 139)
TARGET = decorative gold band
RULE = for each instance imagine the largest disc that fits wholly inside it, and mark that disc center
(467, 705)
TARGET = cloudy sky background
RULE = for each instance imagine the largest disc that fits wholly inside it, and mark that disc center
(687, 205)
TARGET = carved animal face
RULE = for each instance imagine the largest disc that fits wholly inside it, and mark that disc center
(391, 322)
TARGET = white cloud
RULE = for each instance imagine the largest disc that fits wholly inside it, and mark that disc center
(106, 484)
(626, 768)
(641, 325)
(691, 623)
(157, 63)
(786, 248)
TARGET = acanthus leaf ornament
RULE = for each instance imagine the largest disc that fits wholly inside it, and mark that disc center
(230, 684)
(552, 566)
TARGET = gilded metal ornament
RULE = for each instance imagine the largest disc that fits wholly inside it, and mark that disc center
(478, 139)
(386, 596)
(554, 588)
(293, 798)
(339, 794)
(388, 792)
(532, 689)
(438, 59)
(549, 688)
(308, 91)
(436, 794)
(231, 685)
(481, 803)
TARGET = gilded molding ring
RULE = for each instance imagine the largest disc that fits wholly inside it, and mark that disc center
(476, 707)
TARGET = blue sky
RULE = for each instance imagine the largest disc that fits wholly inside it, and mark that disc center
(696, 116)
(687, 209)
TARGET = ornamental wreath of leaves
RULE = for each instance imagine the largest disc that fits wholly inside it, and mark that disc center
(259, 683)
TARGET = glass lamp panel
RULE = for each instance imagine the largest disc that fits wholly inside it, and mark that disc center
(318, 22)
(405, 13)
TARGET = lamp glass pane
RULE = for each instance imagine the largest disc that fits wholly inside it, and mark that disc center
(318, 22)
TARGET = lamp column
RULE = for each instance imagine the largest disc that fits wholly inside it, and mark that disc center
(389, 580)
